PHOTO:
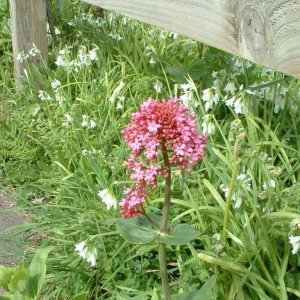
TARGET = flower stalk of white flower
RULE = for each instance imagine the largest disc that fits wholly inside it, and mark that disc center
(108, 198)
(89, 254)
(295, 242)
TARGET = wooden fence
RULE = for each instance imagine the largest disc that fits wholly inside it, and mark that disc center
(264, 31)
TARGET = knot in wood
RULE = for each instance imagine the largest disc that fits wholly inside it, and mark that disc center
(253, 34)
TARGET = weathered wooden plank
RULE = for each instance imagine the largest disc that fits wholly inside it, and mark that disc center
(264, 31)
(28, 26)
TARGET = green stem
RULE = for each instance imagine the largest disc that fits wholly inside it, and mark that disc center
(163, 228)
(150, 220)
(164, 271)
(236, 161)
(167, 203)
(228, 200)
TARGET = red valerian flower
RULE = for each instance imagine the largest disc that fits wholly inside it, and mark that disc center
(159, 125)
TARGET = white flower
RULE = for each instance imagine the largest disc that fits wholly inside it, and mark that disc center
(174, 35)
(55, 84)
(80, 247)
(236, 104)
(57, 31)
(236, 196)
(209, 98)
(279, 104)
(84, 122)
(93, 124)
(116, 92)
(108, 198)
(284, 91)
(34, 51)
(270, 183)
(67, 121)
(295, 242)
(230, 88)
(93, 55)
(115, 36)
(61, 62)
(82, 56)
(120, 105)
(22, 56)
(152, 61)
(208, 127)
(89, 255)
(64, 52)
(44, 96)
(158, 86)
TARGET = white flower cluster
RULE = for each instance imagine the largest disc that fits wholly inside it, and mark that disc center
(85, 57)
(115, 36)
(87, 253)
(23, 56)
(87, 18)
(87, 122)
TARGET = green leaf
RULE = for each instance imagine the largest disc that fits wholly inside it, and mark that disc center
(203, 293)
(37, 271)
(5, 276)
(81, 296)
(180, 235)
(136, 230)
(178, 74)
(19, 281)
(154, 295)
(6, 297)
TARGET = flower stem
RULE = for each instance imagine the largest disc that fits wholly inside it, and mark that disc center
(163, 228)
(164, 271)
(228, 200)
(235, 169)
(150, 220)
(167, 203)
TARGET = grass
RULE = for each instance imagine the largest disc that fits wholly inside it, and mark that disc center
(57, 166)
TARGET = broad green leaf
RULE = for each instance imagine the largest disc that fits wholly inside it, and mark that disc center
(180, 235)
(154, 295)
(37, 271)
(204, 293)
(136, 230)
(5, 276)
(19, 281)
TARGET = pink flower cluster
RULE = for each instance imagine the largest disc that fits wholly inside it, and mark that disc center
(159, 124)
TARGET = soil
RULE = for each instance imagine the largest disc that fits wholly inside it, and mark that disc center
(11, 250)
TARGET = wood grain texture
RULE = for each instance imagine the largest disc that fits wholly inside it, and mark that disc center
(264, 31)
(28, 26)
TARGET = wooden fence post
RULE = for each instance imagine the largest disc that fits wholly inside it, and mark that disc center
(28, 26)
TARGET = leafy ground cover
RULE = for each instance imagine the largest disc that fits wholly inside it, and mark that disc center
(61, 144)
